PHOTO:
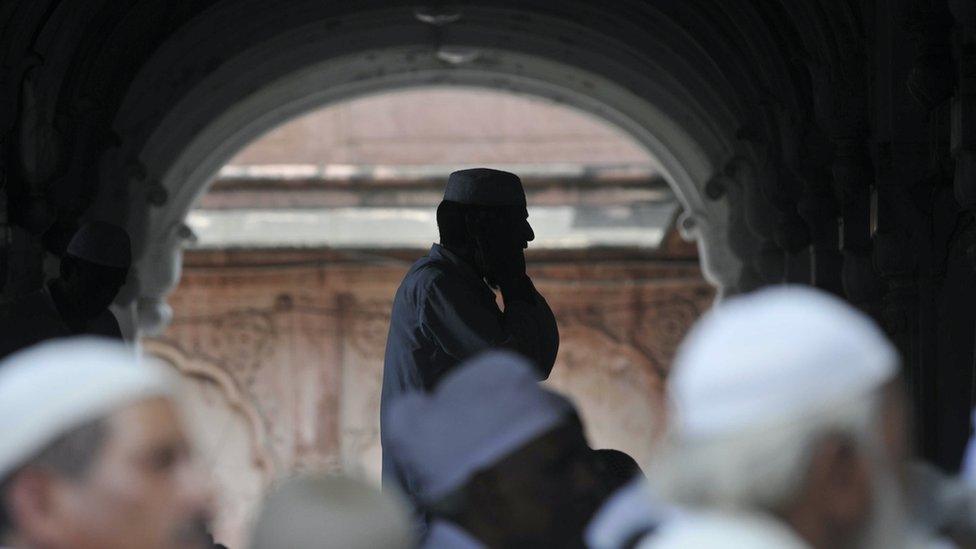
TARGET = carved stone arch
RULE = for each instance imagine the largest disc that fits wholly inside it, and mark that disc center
(177, 144)
(662, 71)
(237, 399)
(240, 468)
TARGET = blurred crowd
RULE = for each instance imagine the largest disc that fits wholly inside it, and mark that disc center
(785, 426)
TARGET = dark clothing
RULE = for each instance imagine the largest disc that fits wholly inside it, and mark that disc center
(105, 325)
(28, 320)
(34, 317)
(444, 313)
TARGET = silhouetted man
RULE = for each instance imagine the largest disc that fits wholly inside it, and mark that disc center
(445, 309)
(498, 460)
(93, 270)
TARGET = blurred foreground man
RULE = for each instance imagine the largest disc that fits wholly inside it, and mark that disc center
(445, 311)
(330, 512)
(499, 461)
(93, 270)
(786, 428)
(93, 455)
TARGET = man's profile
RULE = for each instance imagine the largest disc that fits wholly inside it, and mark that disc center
(445, 310)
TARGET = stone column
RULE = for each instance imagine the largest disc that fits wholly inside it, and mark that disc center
(962, 146)
(911, 185)
(818, 208)
(839, 92)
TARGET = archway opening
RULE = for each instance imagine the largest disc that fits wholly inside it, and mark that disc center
(298, 246)
(178, 135)
(189, 145)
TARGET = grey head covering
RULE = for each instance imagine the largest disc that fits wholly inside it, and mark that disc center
(486, 409)
(102, 243)
(485, 187)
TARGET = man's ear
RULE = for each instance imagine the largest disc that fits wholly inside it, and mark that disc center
(30, 501)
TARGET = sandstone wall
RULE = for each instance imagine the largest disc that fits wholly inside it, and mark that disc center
(283, 363)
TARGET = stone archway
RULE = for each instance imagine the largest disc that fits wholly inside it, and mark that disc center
(170, 151)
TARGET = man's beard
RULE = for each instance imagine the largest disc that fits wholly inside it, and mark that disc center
(888, 525)
(193, 533)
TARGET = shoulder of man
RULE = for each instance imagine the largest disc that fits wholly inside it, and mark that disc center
(105, 324)
(427, 273)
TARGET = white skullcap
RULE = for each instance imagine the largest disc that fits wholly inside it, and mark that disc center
(103, 244)
(483, 411)
(485, 187)
(774, 355)
(55, 386)
(320, 512)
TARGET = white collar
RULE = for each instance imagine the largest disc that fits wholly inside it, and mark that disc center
(718, 530)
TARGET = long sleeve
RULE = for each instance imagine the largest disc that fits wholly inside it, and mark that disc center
(460, 321)
(536, 334)
(464, 324)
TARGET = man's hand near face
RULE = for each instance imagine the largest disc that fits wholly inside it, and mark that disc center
(513, 281)
(503, 244)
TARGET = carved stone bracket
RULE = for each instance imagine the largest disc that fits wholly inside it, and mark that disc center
(840, 100)
(752, 225)
(853, 174)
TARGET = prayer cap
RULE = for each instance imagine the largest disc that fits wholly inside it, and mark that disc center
(103, 244)
(485, 187)
(489, 407)
(321, 511)
(53, 387)
(776, 355)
